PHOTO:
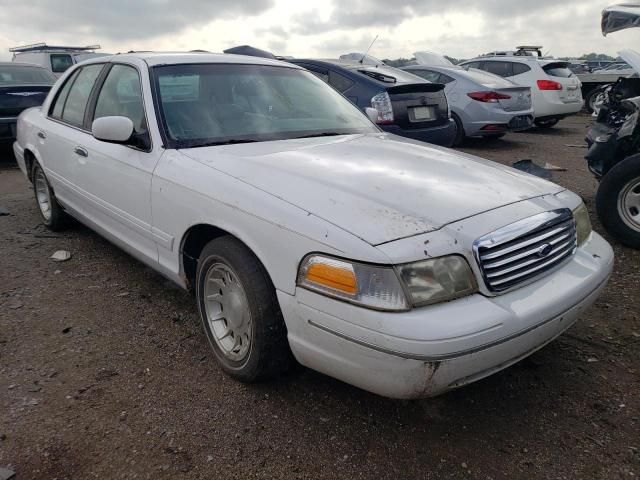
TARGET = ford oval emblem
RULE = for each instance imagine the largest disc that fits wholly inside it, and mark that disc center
(544, 250)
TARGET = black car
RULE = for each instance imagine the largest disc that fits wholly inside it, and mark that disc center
(407, 105)
(21, 86)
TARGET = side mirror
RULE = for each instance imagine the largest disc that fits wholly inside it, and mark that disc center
(112, 129)
(372, 113)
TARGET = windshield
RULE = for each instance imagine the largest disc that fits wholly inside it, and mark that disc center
(25, 75)
(209, 104)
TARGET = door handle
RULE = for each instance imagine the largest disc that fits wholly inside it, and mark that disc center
(42, 135)
(81, 152)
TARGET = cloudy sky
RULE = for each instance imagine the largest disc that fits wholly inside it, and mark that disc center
(319, 28)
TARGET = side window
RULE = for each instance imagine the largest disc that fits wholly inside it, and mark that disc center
(76, 103)
(445, 79)
(502, 69)
(58, 106)
(321, 73)
(121, 95)
(520, 68)
(429, 75)
(339, 82)
(473, 65)
(60, 62)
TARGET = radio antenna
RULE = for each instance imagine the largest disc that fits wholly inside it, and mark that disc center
(365, 53)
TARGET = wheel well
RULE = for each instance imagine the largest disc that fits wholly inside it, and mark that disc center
(29, 158)
(193, 241)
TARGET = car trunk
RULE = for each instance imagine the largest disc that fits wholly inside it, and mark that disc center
(559, 72)
(519, 98)
(16, 98)
(419, 105)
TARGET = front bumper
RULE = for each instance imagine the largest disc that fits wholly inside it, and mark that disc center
(442, 135)
(430, 350)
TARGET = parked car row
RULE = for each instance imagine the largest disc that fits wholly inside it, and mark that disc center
(305, 230)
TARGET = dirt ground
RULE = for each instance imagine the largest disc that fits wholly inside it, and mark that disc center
(105, 373)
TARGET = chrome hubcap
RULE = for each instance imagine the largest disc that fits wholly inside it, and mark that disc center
(227, 311)
(629, 204)
(42, 194)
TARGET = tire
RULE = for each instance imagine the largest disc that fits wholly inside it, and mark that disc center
(240, 312)
(551, 122)
(52, 214)
(618, 201)
(460, 133)
(591, 98)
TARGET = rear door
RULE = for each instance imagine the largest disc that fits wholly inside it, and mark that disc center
(560, 72)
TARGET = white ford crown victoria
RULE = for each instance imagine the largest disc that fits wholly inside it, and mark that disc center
(399, 267)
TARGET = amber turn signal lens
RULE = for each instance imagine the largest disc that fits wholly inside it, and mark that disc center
(333, 277)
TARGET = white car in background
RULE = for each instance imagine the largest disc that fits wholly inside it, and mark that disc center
(57, 59)
(555, 91)
(399, 267)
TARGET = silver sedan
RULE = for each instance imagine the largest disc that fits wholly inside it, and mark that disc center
(482, 104)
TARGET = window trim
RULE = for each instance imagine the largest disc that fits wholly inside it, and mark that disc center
(95, 93)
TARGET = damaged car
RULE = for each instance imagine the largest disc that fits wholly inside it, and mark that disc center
(614, 140)
(304, 230)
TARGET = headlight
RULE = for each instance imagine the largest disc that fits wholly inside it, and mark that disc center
(438, 279)
(378, 287)
(583, 224)
(367, 285)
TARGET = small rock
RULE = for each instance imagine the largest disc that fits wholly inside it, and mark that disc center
(61, 256)
(6, 474)
(66, 330)
(15, 305)
(3, 437)
(34, 388)
(464, 465)
(12, 386)
(209, 458)
(4, 211)
(123, 294)
(57, 272)
(592, 360)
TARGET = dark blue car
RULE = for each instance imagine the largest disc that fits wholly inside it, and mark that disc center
(407, 105)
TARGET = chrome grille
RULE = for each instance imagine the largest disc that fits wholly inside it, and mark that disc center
(525, 250)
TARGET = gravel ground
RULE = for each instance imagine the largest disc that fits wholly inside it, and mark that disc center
(104, 373)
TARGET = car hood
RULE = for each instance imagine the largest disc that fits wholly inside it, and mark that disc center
(632, 58)
(379, 187)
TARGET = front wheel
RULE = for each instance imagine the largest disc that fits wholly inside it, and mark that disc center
(240, 312)
(618, 201)
(547, 123)
(53, 215)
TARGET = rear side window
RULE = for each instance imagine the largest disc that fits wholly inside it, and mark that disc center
(60, 62)
(121, 95)
(339, 82)
(76, 101)
(445, 79)
(502, 69)
(58, 106)
(520, 68)
(557, 70)
(428, 75)
(477, 65)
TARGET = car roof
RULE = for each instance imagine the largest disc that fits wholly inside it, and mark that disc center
(21, 64)
(177, 58)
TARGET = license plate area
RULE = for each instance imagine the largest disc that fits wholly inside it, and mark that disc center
(422, 114)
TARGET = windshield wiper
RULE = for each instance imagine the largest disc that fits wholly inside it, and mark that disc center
(323, 134)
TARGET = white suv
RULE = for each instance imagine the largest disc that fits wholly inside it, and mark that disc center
(555, 91)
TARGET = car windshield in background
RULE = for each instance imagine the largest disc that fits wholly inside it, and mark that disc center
(215, 104)
(25, 75)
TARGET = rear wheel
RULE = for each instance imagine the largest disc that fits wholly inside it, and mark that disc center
(52, 214)
(618, 201)
(240, 312)
(460, 133)
(546, 123)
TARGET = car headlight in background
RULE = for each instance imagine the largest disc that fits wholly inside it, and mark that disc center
(583, 223)
(438, 279)
(383, 288)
